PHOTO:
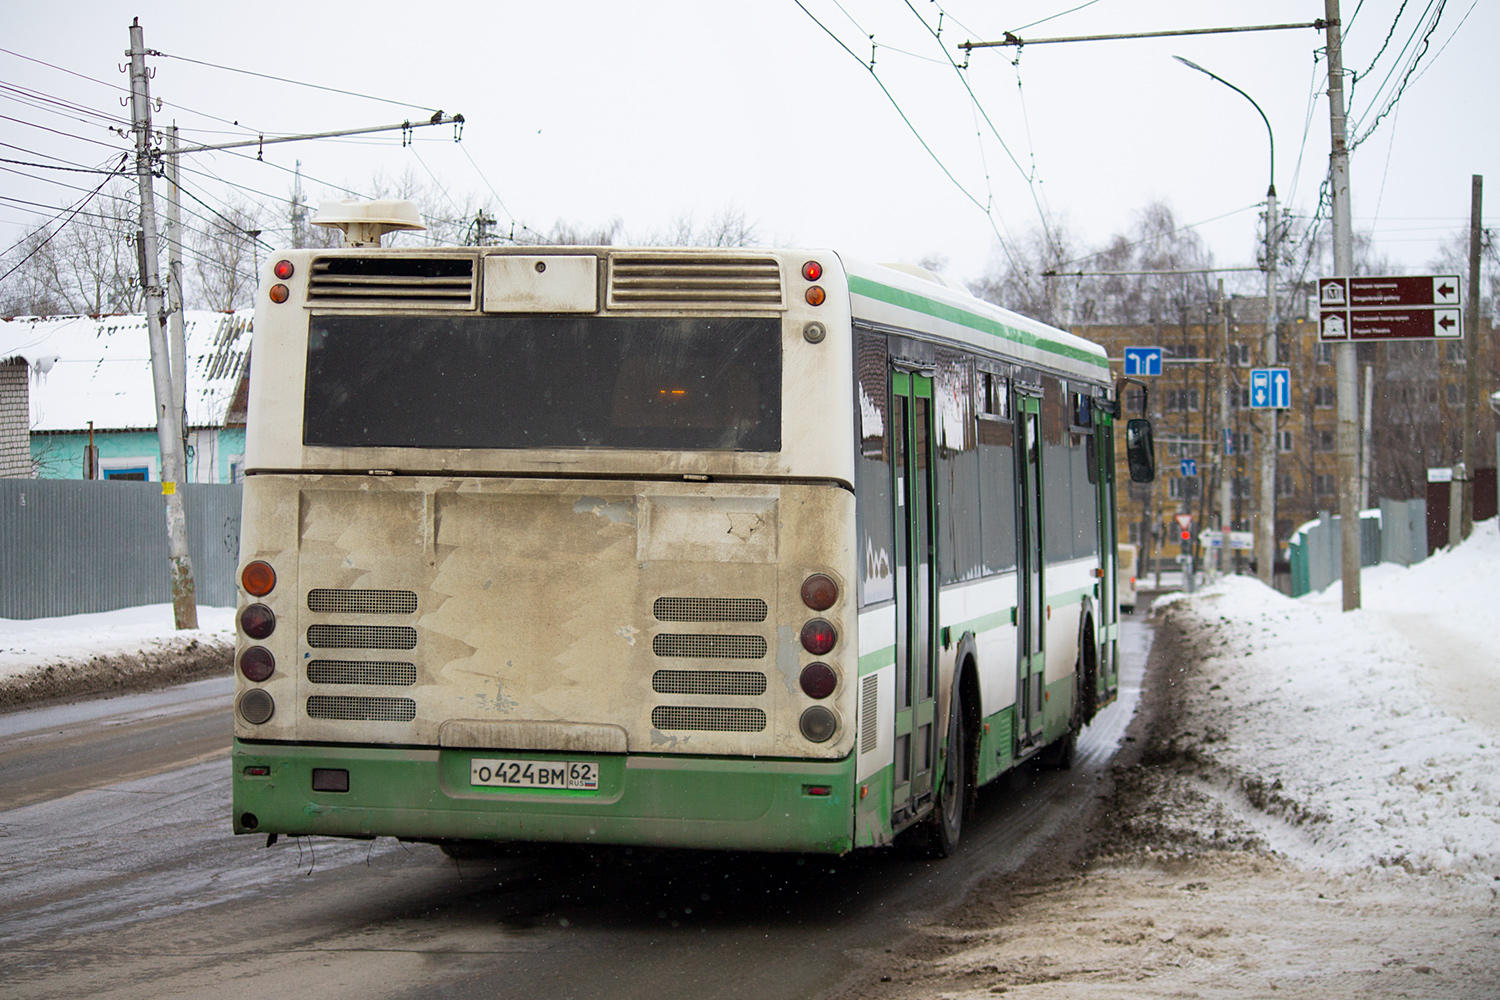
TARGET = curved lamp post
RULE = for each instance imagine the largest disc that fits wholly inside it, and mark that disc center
(1265, 542)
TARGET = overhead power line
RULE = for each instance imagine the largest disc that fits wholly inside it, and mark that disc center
(295, 83)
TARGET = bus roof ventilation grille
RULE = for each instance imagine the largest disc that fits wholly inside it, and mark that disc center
(681, 281)
(428, 282)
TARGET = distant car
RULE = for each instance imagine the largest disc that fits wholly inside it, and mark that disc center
(1126, 568)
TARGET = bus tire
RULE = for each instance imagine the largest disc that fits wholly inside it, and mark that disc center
(947, 823)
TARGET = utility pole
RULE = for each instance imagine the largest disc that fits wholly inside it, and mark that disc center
(299, 211)
(1473, 399)
(1226, 522)
(177, 336)
(1265, 539)
(168, 428)
(1345, 354)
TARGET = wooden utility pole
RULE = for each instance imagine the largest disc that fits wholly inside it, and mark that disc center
(1473, 355)
(168, 411)
(1345, 354)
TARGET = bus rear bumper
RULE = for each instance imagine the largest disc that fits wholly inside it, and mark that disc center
(644, 800)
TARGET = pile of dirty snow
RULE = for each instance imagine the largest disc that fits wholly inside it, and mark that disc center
(1335, 738)
(46, 659)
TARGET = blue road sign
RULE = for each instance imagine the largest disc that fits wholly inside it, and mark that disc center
(1143, 361)
(1189, 466)
(1270, 388)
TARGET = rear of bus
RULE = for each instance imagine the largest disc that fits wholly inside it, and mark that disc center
(549, 547)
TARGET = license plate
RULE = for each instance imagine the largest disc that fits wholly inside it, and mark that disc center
(571, 774)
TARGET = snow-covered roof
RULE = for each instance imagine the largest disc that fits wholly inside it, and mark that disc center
(85, 369)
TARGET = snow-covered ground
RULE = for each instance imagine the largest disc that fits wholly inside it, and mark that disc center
(41, 642)
(1363, 738)
(47, 659)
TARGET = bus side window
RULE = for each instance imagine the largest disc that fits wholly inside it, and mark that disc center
(873, 471)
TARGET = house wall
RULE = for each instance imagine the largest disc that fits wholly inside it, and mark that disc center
(210, 453)
(15, 410)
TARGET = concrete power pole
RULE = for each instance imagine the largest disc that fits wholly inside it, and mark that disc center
(1346, 356)
(168, 426)
(1265, 539)
(1225, 439)
(175, 331)
(1473, 398)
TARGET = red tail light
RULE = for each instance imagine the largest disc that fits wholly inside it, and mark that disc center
(819, 592)
(258, 621)
(257, 664)
(818, 637)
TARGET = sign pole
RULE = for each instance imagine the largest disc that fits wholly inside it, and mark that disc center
(1346, 357)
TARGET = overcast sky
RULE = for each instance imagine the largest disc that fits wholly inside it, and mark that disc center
(650, 111)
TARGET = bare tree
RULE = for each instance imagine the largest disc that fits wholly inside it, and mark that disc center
(224, 256)
(729, 227)
(83, 264)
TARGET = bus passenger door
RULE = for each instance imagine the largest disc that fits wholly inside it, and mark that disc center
(1031, 595)
(912, 469)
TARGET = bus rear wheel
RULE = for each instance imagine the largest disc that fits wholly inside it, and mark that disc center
(947, 824)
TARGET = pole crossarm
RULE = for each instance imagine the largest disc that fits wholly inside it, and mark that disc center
(406, 126)
(1017, 41)
(1110, 274)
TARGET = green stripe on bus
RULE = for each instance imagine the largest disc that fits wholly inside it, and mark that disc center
(984, 623)
(953, 314)
(871, 662)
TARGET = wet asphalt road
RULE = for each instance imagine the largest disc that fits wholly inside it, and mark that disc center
(119, 878)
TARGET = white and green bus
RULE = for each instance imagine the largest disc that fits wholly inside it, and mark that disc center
(769, 550)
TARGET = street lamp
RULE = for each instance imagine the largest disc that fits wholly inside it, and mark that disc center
(1265, 542)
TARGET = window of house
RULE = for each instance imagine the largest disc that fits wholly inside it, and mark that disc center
(1325, 440)
(1325, 485)
(1283, 441)
(1324, 396)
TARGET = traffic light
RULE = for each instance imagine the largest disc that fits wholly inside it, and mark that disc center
(1187, 535)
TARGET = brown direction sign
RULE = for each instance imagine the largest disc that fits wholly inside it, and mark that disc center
(1390, 324)
(1391, 307)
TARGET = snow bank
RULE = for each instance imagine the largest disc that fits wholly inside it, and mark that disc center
(38, 643)
(1320, 719)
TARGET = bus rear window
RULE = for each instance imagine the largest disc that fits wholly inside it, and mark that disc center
(666, 383)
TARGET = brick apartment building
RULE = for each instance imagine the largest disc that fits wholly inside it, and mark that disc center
(1416, 417)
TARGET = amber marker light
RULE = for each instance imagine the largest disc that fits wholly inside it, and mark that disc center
(816, 295)
(283, 269)
(279, 293)
(258, 578)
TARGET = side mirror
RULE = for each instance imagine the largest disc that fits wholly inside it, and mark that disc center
(1140, 450)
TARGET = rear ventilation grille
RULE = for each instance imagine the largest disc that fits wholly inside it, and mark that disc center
(346, 707)
(720, 647)
(361, 637)
(362, 602)
(438, 282)
(708, 720)
(711, 682)
(709, 609)
(657, 281)
(344, 672)
(869, 712)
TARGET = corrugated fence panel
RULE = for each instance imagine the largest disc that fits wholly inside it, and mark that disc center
(72, 547)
